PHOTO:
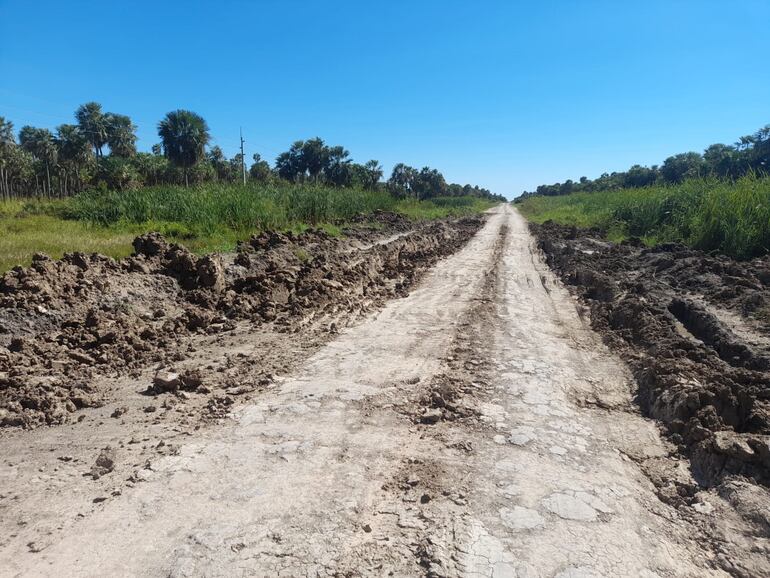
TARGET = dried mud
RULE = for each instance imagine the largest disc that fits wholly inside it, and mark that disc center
(695, 330)
(69, 326)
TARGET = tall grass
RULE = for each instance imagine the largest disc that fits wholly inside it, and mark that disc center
(729, 216)
(208, 218)
(207, 209)
(213, 208)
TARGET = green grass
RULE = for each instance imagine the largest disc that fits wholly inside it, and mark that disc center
(441, 207)
(21, 237)
(731, 217)
(205, 219)
(206, 210)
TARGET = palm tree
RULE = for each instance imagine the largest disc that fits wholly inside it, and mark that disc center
(402, 181)
(373, 171)
(39, 142)
(6, 132)
(93, 123)
(7, 141)
(184, 135)
(217, 159)
(121, 135)
(74, 152)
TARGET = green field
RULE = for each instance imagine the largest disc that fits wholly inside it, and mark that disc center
(728, 216)
(207, 218)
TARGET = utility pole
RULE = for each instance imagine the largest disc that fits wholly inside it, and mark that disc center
(243, 158)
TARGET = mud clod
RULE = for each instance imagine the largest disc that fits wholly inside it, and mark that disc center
(104, 464)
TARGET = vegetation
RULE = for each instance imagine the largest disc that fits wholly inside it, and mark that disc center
(85, 187)
(708, 213)
(751, 154)
(204, 209)
(185, 136)
(27, 228)
(205, 218)
(99, 152)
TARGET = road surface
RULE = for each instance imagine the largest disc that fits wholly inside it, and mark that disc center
(476, 427)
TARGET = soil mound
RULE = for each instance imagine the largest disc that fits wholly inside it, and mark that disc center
(64, 322)
(695, 329)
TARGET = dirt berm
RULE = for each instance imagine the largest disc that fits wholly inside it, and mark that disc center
(695, 330)
(67, 326)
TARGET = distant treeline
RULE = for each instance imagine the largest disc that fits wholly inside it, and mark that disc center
(751, 154)
(99, 151)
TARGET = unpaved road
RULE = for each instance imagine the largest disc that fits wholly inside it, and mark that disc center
(476, 427)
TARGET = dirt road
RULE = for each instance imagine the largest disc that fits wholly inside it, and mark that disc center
(476, 427)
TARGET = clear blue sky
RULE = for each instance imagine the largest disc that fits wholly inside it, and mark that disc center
(503, 94)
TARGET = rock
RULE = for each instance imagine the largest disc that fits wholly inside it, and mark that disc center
(104, 464)
(165, 380)
(431, 416)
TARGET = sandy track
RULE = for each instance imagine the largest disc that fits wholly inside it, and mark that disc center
(525, 464)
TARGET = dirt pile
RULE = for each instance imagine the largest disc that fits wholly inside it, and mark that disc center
(63, 323)
(695, 329)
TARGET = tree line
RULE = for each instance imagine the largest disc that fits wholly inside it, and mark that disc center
(749, 154)
(99, 151)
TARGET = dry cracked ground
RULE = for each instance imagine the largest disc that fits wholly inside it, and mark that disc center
(461, 420)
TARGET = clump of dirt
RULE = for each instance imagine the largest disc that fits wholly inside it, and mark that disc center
(695, 330)
(64, 323)
(104, 464)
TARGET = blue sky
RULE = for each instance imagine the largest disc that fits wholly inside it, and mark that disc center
(507, 95)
